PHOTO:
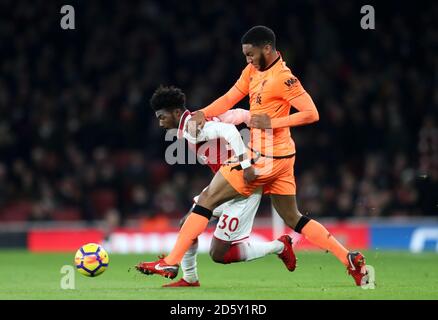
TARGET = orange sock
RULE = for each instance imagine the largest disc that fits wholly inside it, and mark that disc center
(194, 225)
(319, 235)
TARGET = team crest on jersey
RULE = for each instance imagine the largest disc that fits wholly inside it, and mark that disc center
(290, 82)
(259, 99)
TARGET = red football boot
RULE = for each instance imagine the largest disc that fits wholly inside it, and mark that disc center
(288, 255)
(357, 268)
(182, 283)
(158, 267)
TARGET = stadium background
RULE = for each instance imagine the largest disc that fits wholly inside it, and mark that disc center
(82, 154)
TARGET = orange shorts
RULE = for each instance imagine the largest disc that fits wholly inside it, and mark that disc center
(275, 175)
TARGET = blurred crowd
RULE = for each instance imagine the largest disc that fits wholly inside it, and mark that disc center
(79, 141)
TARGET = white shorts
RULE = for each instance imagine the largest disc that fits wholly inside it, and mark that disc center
(236, 217)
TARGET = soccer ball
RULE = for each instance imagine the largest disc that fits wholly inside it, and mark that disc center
(91, 260)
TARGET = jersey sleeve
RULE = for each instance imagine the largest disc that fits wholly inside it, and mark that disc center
(216, 130)
(288, 86)
(236, 116)
(307, 113)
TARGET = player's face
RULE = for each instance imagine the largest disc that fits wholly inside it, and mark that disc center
(167, 119)
(255, 55)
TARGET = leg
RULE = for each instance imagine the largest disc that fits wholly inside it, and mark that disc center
(216, 193)
(311, 229)
(286, 206)
(235, 225)
(219, 249)
(226, 252)
(189, 267)
(283, 190)
(188, 262)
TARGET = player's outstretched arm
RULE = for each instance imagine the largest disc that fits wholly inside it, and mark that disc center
(236, 116)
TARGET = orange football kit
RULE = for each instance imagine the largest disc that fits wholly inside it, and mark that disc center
(272, 92)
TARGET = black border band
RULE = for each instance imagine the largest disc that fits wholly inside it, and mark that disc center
(301, 223)
(202, 211)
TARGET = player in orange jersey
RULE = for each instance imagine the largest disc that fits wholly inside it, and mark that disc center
(272, 90)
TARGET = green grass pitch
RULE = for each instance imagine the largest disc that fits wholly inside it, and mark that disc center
(319, 275)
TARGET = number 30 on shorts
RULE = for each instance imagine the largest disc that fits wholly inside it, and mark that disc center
(232, 224)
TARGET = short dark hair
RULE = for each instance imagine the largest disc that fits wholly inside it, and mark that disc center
(259, 36)
(169, 98)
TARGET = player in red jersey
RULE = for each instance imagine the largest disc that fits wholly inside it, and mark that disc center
(230, 242)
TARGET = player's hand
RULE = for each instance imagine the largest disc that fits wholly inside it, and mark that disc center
(260, 121)
(196, 123)
(249, 175)
(199, 118)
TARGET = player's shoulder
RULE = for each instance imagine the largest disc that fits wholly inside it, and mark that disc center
(249, 70)
(285, 76)
(283, 71)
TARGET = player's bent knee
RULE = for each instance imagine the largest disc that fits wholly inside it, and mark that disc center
(218, 250)
(217, 256)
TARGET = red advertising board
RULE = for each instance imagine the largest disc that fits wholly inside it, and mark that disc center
(136, 241)
(60, 240)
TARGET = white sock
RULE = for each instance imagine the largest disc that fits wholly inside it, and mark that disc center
(255, 250)
(188, 264)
